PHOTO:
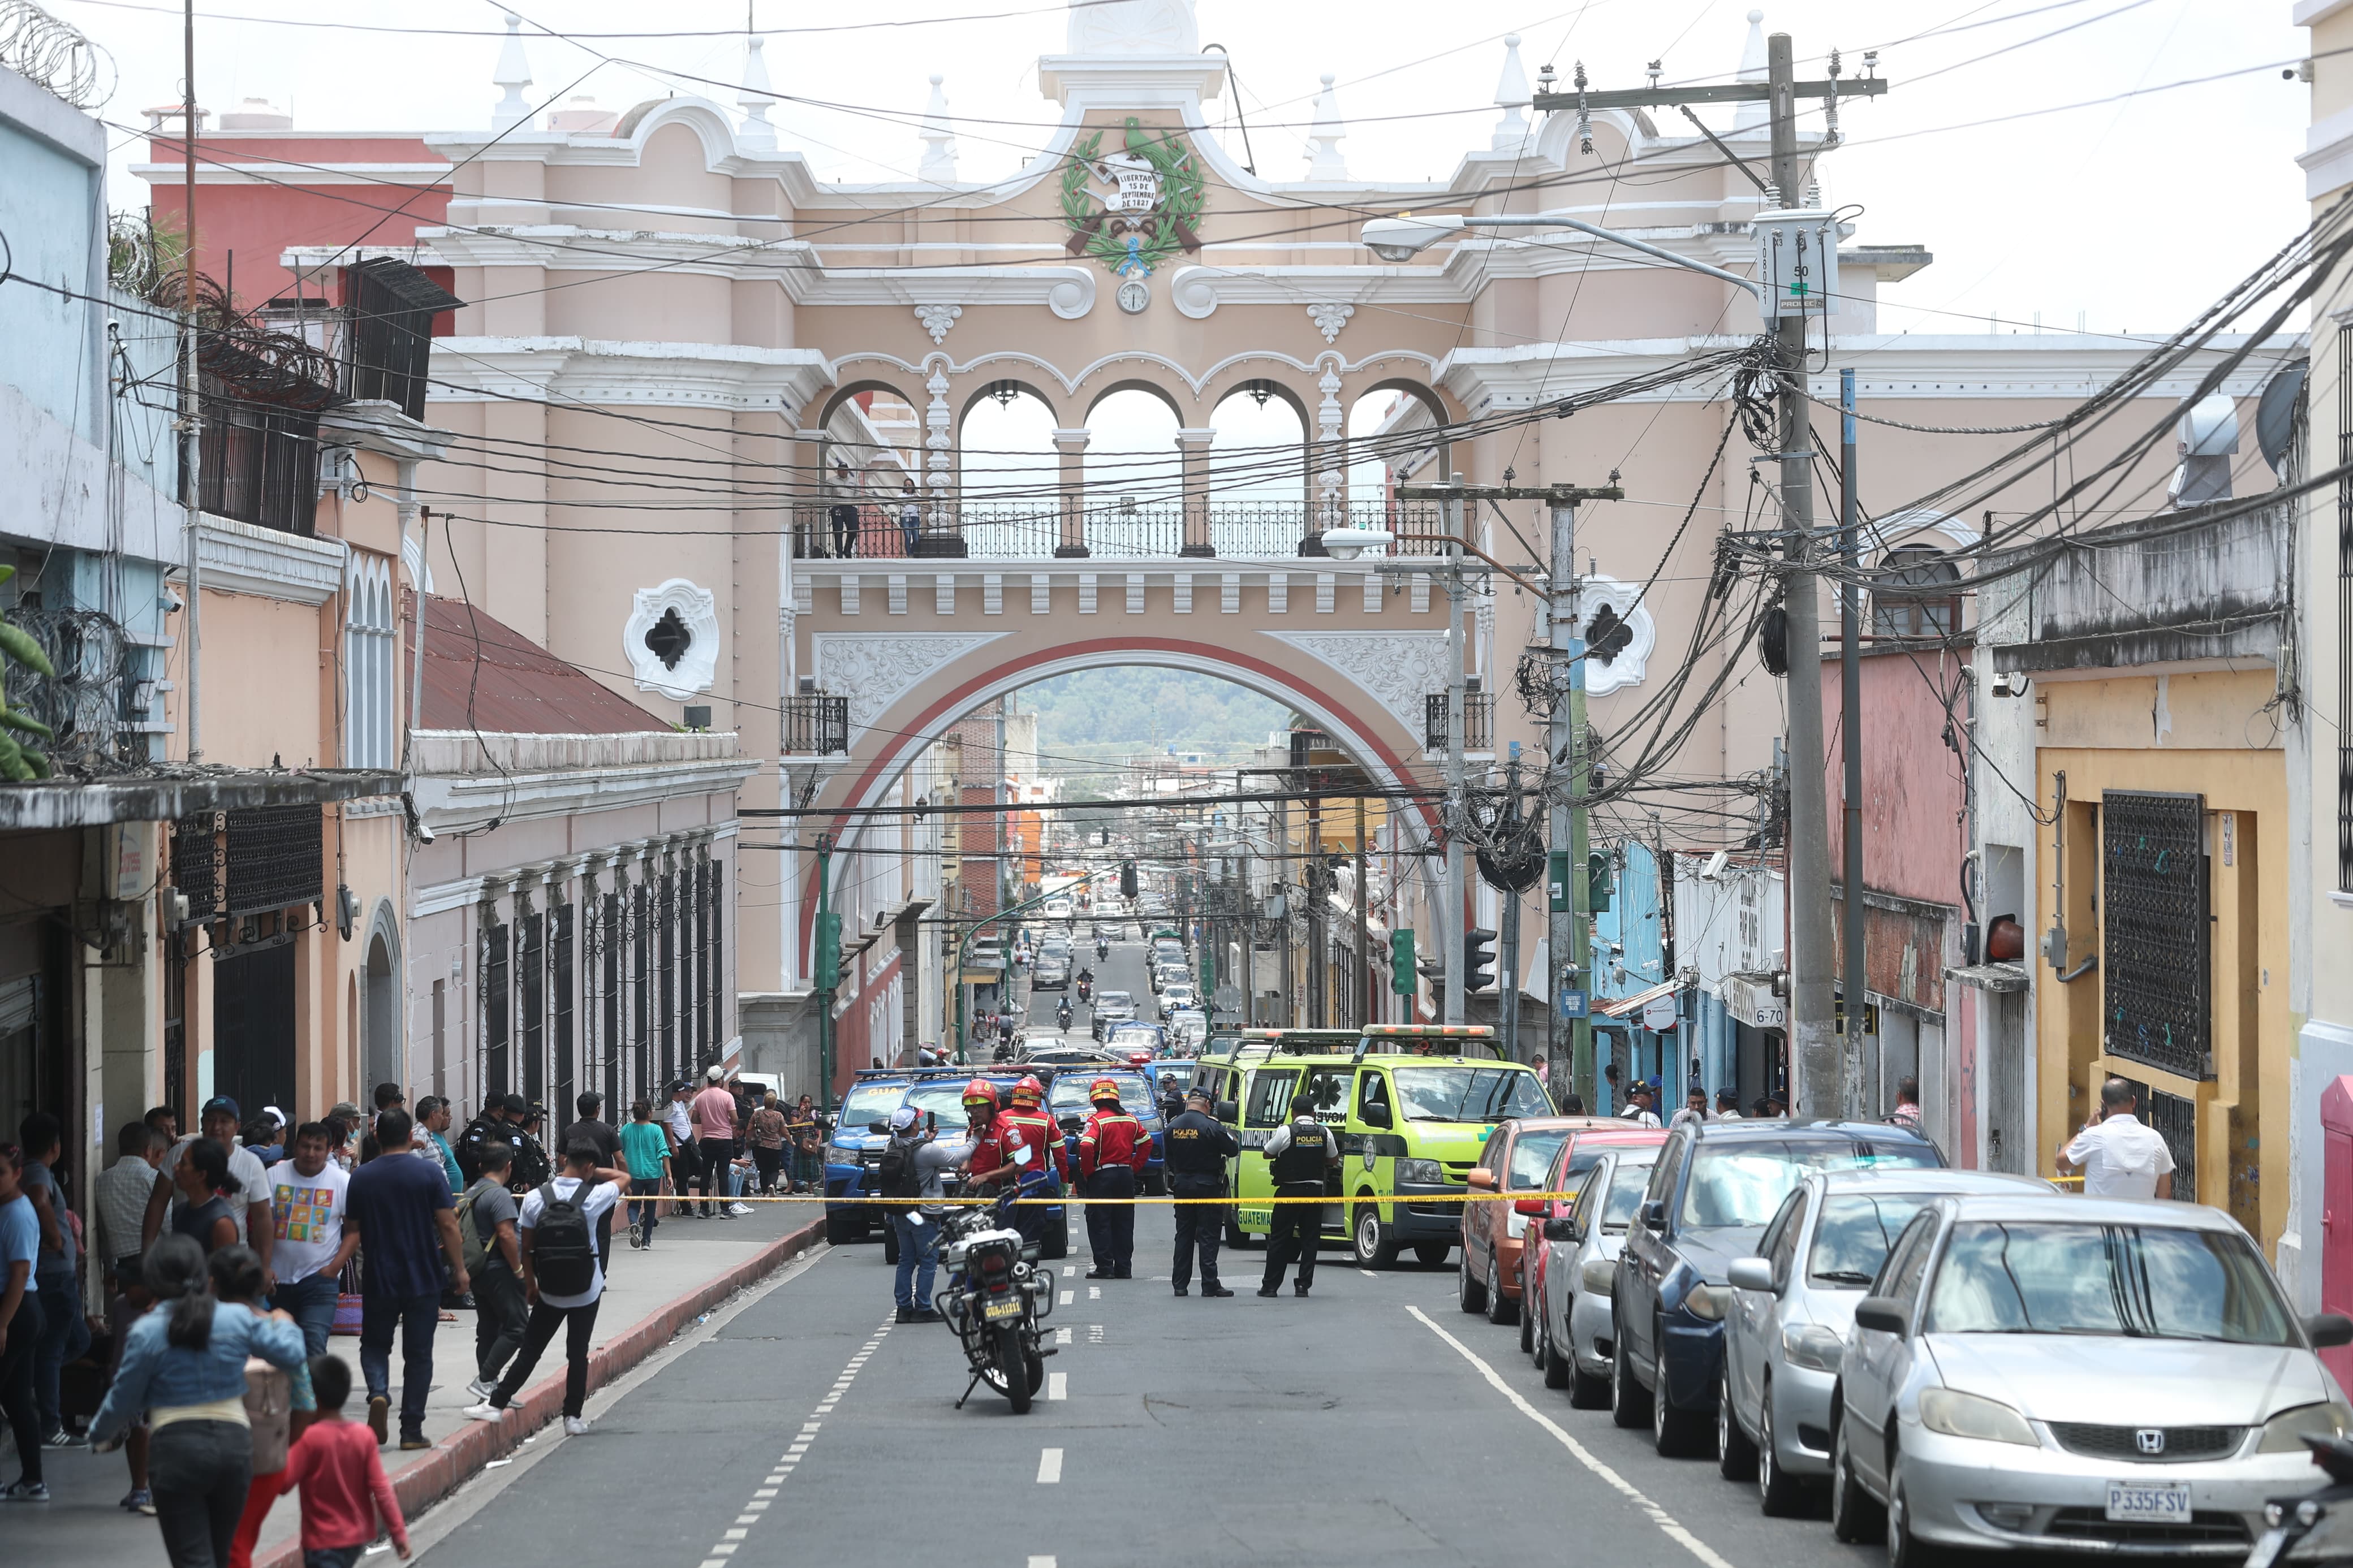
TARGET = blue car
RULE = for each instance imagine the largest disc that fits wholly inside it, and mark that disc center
(854, 1155)
(1137, 1096)
(1716, 1187)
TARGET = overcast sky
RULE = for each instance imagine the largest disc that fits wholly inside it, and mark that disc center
(2130, 212)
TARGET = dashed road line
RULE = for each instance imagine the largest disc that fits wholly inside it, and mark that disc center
(1057, 1385)
(733, 1538)
(1668, 1524)
(1049, 1467)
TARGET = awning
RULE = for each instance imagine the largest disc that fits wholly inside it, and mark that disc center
(1632, 1006)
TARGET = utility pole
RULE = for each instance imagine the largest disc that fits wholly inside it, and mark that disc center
(1824, 1084)
(829, 970)
(1454, 917)
(191, 499)
(1507, 955)
(1862, 1062)
(1364, 953)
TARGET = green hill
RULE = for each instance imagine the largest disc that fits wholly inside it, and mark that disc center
(1119, 711)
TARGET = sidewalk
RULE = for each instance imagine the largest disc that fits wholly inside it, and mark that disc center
(695, 1265)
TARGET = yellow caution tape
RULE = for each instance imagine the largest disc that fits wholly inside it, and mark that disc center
(692, 1199)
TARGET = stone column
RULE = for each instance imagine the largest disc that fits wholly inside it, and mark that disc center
(1072, 447)
(942, 535)
(1193, 445)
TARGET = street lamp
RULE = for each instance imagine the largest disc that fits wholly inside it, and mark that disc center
(1348, 543)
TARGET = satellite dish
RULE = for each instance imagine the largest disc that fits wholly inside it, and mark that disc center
(2276, 412)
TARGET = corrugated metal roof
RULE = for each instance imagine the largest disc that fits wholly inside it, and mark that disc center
(480, 674)
(1621, 1007)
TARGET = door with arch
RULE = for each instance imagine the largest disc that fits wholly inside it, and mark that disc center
(382, 1056)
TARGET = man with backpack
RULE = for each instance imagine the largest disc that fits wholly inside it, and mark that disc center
(914, 1168)
(487, 1219)
(560, 1278)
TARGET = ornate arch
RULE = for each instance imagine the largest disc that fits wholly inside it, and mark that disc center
(850, 389)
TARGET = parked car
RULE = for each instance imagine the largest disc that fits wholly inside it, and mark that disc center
(1792, 1305)
(1716, 1185)
(1580, 1151)
(2090, 1375)
(1518, 1157)
(1571, 1299)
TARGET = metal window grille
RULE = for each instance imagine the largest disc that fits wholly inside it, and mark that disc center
(276, 859)
(815, 725)
(559, 992)
(368, 661)
(690, 923)
(259, 460)
(722, 1025)
(531, 997)
(2154, 931)
(494, 1007)
(666, 1002)
(609, 949)
(1478, 721)
(390, 334)
(197, 863)
(640, 987)
(176, 1025)
(2175, 1119)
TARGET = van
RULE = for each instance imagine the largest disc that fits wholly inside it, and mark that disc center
(1412, 1106)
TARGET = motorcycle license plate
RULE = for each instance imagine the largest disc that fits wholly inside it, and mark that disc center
(1010, 1307)
(2149, 1502)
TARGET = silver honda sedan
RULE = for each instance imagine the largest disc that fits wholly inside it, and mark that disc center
(1786, 1326)
(2071, 1374)
(1572, 1317)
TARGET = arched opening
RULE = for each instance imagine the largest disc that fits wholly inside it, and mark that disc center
(1134, 474)
(1009, 472)
(1394, 436)
(1257, 471)
(381, 1042)
(869, 471)
(1916, 593)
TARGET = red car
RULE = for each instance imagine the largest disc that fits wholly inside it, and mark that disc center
(1518, 1155)
(1577, 1156)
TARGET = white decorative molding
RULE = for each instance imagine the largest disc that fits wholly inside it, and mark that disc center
(1229, 594)
(897, 580)
(874, 669)
(1135, 592)
(698, 666)
(1041, 593)
(1418, 594)
(1087, 581)
(1327, 584)
(992, 594)
(938, 319)
(1329, 417)
(1632, 662)
(850, 592)
(1183, 584)
(646, 374)
(1329, 317)
(937, 440)
(238, 558)
(1373, 589)
(1398, 669)
(944, 592)
(1277, 593)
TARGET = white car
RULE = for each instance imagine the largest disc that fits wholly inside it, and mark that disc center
(1571, 1319)
(2064, 1374)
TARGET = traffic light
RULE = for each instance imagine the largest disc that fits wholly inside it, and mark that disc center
(1478, 960)
(1127, 878)
(1597, 877)
(828, 951)
(1402, 978)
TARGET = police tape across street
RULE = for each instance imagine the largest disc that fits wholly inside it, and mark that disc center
(1229, 1201)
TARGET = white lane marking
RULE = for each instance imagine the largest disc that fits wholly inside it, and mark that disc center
(1041, 1563)
(763, 1492)
(1094, 1293)
(1066, 1297)
(1061, 1336)
(1667, 1523)
(1057, 1385)
(1049, 1467)
(1368, 1273)
(1068, 1269)
(754, 1509)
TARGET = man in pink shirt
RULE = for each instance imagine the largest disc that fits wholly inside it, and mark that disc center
(344, 1488)
(713, 1118)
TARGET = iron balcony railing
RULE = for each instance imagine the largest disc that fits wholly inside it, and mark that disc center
(815, 725)
(1478, 721)
(887, 528)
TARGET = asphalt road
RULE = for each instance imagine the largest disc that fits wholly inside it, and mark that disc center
(1371, 1423)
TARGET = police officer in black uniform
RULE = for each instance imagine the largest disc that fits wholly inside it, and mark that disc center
(1299, 1154)
(490, 1127)
(532, 1166)
(1197, 1147)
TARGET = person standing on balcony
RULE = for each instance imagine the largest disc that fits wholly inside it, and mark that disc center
(844, 512)
(910, 514)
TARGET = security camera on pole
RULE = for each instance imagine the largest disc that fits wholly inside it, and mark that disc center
(1796, 278)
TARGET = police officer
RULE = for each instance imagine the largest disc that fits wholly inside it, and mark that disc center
(490, 1127)
(1299, 1154)
(1027, 1123)
(1195, 1158)
(532, 1166)
(1113, 1150)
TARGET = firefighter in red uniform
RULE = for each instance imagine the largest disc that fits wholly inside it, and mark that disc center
(1113, 1153)
(1026, 1128)
(992, 1156)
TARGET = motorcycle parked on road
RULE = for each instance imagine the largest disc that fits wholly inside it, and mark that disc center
(2317, 1527)
(995, 1298)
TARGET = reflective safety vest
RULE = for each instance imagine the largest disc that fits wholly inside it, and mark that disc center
(1306, 1157)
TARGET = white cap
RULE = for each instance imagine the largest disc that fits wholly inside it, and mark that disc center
(903, 1117)
(714, 1075)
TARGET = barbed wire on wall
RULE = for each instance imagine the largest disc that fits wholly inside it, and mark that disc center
(50, 54)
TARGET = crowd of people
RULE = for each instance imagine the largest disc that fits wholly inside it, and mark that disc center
(264, 1235)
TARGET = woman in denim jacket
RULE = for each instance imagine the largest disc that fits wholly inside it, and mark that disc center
(183, 1363)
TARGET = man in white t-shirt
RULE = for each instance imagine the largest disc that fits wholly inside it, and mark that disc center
(250, 1206)
(308, 1205)
(2120, 1157)
(595, 1189)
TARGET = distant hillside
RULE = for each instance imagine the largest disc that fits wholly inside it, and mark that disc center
(1114, 713)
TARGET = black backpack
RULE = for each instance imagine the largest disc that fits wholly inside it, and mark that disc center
(564, 1244)
(896, 1174)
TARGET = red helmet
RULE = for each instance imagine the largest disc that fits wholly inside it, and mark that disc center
(1029, 1091)
(980, 1091)
(1103, 1088)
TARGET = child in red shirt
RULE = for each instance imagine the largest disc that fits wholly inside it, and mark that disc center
(343, 1481)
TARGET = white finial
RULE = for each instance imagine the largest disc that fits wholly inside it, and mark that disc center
(514, 74)
(1511, 97)
(939, 164)
(756, 133)
(1754, 113)
(1323, 160)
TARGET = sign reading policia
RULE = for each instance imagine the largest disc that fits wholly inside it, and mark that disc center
(1133, 207)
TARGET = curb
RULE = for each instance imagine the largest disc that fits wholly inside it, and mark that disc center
(456, 1460)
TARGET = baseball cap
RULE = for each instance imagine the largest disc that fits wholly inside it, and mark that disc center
(276, 1115)
(515, 1105)
(714, 1075)
(219, 1105)
(903, 1119)
(1200, 1091)
(678, 1085)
